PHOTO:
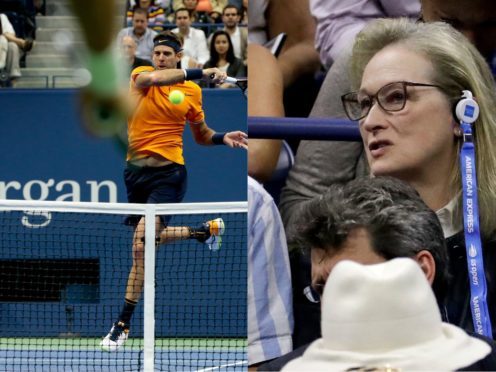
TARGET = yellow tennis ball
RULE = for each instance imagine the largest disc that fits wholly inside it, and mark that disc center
(176, 97)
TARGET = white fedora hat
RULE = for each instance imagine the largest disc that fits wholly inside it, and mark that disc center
(385, 316)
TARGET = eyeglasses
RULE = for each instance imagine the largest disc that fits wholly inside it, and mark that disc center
(391, 97)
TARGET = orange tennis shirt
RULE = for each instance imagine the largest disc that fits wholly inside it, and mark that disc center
(157, 125)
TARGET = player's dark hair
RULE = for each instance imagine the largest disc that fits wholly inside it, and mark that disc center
(170, 39)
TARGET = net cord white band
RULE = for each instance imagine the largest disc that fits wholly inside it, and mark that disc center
(123, 208)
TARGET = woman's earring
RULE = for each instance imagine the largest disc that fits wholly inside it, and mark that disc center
(458, 132)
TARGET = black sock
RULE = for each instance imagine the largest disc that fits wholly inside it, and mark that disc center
(127, 311)
(192, 232)
(200, 233)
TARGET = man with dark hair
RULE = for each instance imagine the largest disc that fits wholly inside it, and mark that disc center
(368, 220)
(239, 35)
(10, 47)
(195, 42)
(141, 34)
(383, 218)
(155, 171)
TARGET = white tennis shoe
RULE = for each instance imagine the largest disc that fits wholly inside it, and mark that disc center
(216, 230)
(116, 337)
(214, 242)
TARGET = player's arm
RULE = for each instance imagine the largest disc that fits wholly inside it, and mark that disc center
(159, 78)
(173, 76)
(204, 135)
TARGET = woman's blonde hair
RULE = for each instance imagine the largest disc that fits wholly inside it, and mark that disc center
(457, 66)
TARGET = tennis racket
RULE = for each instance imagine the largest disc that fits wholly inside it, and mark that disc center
(241, 83)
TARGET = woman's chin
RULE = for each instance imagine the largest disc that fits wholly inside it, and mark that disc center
(381, 170)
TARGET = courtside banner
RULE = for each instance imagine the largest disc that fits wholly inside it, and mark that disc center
(46, 155)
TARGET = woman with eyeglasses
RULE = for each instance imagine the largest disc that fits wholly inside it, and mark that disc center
(409, 78)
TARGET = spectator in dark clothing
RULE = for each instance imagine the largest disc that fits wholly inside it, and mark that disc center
(222, 57)
(128, 48)
(156, 15)
(372, 220)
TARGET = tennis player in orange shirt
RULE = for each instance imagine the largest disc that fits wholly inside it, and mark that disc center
(155, 171)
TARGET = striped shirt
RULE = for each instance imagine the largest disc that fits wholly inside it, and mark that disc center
(270, 311)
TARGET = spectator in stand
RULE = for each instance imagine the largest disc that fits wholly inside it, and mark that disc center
(319, 164)
(128, 50)
(270, 314)
(237, 3)
(222, 56)
(164, 4)
(195, 42)
(384, 317)
(155, 14)
(39, 7)
(10, 46)
(212, 8)
(193, 14)
(298, 60)
(186, 61)
(244, 13)
(196, 16)
(4, 45)
(141, 34)
(338, 22)
(239, 35)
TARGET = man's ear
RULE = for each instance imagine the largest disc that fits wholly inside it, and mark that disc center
(179, 55)
(427, 264)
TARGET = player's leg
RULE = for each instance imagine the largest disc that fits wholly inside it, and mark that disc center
(171, 188)
(120, 329)
(160, 185)
(3, 51)
(208, 232)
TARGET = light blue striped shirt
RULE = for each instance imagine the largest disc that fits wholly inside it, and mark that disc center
(270, 305)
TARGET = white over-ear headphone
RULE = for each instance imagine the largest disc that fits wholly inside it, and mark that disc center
(467, 110)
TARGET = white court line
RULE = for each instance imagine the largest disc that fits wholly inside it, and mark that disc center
(222, 366)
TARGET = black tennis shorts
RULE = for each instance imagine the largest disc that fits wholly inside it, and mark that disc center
(153, 185)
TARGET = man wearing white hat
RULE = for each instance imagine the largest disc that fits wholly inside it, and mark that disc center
(385, 317)
(370, 221)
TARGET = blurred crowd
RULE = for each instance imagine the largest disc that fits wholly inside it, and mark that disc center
(213, 32)
(17, 34)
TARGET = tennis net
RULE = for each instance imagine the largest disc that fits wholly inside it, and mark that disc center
(63, 273)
